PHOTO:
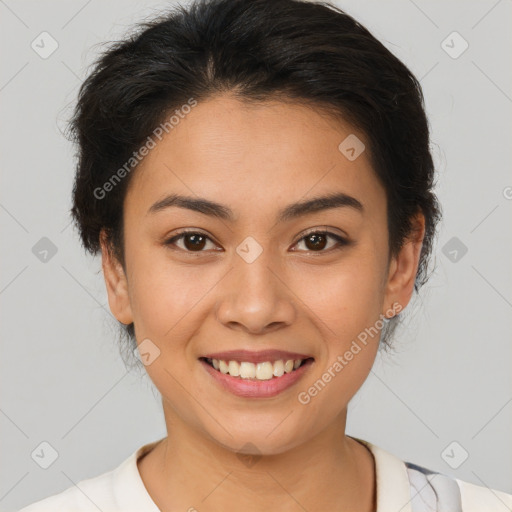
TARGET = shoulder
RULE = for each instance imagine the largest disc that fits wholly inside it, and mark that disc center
(120, 489)
(86, 496)
(409, 487)
(476, 498)
(443, 492)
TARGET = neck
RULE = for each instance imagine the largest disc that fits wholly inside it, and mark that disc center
(188, 471)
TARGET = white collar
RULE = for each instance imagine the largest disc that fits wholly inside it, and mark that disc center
(392, 482)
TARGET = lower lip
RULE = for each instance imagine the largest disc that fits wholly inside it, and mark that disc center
(248, 388)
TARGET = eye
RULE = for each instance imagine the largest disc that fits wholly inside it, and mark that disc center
(193, 241)
(316, 241)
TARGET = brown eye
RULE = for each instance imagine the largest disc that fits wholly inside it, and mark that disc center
(317, 241)
(192, 241)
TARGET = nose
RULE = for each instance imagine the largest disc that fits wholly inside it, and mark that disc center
(255, 297)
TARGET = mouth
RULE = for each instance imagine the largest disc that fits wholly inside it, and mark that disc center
(263, 374)
(260, 371)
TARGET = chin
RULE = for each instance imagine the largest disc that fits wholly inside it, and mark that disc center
(258, 441)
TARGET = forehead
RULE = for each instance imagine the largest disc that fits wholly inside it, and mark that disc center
(245, 154)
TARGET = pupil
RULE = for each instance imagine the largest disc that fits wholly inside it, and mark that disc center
(197, 241)
(315, 239)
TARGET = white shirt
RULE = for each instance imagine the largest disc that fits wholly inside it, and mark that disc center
(401, 487)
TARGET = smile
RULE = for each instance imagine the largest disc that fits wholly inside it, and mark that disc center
(265, 370)
(264, 375)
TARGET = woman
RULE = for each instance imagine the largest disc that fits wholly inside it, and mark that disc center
(257, 177)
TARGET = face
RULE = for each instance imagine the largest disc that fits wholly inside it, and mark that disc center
(255, 277)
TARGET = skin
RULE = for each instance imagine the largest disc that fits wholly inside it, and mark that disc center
(257, 159)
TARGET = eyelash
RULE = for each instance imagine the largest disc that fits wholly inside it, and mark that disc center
(339, 239)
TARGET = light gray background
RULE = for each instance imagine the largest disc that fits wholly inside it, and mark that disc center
(63, 380)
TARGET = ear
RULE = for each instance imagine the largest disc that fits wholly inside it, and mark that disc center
(116, 282)
(403, 268)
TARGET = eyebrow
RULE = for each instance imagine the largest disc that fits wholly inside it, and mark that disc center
(292, 211)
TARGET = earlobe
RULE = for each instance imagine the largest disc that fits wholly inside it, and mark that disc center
(404, 266)
(115, 282)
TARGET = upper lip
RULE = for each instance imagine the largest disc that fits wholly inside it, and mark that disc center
(256, 357)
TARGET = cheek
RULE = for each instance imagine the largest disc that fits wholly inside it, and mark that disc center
(346, 298)
(347, 302)
(162, 293)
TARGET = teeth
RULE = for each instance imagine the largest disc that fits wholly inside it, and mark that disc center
(223, 366)
(278, 368)
(247, 370)
(234, 368)
(261, 371)
(264, 371)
